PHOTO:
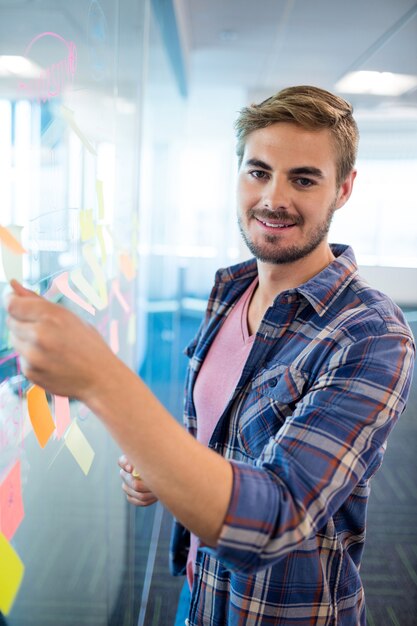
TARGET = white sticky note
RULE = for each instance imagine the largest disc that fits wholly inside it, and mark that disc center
(12, 255)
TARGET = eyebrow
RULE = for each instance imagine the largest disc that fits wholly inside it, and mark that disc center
(258, 163)
(304, 170)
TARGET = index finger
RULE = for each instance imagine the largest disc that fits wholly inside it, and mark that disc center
(28, 308)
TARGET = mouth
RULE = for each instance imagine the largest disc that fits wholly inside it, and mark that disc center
(276, 224)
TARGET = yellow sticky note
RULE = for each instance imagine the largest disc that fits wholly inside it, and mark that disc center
(8, 239)
(40, 415)
(87, 229)
(68, 116)
(100, 198)
(11, 575)
(79, 447)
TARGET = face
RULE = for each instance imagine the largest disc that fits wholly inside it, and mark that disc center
(287, 192)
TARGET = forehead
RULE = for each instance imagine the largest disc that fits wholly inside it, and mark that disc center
(289, 144)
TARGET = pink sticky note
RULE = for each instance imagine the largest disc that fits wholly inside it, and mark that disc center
(114, 336)
(62, 415)
(11, 503)
(117, 292)
(61, 282)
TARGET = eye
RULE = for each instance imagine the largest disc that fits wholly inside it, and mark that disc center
(260, 174)
(304, 182)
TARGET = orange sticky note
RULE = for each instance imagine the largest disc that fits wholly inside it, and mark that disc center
(11, 503)
(11, 575)
(40, 415)
(10, 241)
(127, 266)
(62, 415)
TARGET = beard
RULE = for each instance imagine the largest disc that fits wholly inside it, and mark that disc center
(271, 249)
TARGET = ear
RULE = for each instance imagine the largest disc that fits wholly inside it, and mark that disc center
(345, 189)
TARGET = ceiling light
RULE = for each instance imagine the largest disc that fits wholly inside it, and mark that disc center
(376, 83)
(14, 65)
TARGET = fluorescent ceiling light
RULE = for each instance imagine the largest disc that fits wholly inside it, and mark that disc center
(376, 83)
(14, 65)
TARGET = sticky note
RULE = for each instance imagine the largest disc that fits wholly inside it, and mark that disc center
(12, 261)
(68, 116)
(9, 239)
(90, 257)
(62, 415)
(61, 283)
(87, 289)
(100, 198)
(40, 415)
(11, 503)
(102, 243)
(87, 228)
(120, 297)
(131, 330)
(114, 336)
(127, 266)
(79, 447)
(11, 575)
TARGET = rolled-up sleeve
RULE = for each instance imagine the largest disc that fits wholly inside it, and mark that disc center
(324, 448)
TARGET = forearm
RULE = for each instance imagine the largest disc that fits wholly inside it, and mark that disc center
(192, 481)
(67, 357)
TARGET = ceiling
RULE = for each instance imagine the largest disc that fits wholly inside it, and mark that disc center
(265, 45)
(258, 46)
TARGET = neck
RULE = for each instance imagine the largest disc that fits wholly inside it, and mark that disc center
(273, 279)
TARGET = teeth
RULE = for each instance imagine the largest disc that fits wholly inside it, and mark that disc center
(276, 225)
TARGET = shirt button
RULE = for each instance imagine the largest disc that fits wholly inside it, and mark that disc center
(273, 382)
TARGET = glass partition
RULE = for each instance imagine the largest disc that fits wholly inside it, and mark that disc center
(71, 89)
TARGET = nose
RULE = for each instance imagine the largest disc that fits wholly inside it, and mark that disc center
(276, 194)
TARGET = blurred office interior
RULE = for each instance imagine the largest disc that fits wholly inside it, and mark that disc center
(149, 111)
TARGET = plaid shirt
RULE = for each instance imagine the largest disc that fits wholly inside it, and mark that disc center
(305, 430)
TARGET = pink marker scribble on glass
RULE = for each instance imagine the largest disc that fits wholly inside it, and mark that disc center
(53, 79)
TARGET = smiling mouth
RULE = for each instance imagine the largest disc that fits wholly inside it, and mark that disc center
(274, 224)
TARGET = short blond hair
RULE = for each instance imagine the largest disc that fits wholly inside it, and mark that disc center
(312, 108)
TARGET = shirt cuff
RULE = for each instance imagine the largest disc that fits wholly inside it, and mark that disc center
(250, 520)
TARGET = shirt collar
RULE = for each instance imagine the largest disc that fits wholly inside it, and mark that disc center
(321, 290)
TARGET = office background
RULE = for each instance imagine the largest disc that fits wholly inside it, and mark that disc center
(116, 136)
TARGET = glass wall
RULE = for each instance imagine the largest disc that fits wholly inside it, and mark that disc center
(71, 88)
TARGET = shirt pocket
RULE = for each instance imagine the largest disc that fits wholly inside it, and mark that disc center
(274, 393)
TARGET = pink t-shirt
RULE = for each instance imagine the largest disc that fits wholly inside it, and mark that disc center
(217, 379)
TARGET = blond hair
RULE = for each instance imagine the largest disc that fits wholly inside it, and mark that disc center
(312, 108)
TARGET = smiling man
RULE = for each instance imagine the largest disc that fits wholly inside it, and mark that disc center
(296, 377)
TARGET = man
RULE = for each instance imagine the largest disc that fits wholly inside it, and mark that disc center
(297, 375)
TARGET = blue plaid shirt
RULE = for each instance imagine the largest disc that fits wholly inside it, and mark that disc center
(305, 430)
